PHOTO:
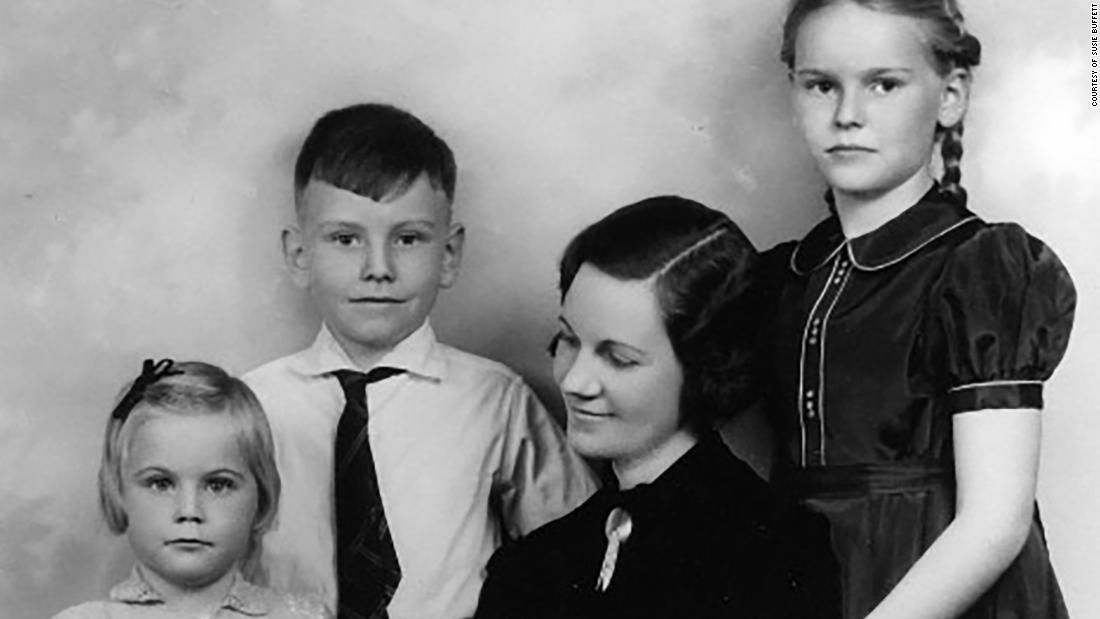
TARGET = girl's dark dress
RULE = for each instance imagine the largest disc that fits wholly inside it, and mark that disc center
(707, 541)
(879, 341)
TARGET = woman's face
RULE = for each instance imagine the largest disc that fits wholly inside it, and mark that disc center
(617, 371)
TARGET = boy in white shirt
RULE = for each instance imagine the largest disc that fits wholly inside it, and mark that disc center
(463, 452)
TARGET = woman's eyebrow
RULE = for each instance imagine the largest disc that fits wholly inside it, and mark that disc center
(606, 344)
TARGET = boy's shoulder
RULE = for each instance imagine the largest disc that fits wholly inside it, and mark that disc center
(275, 370)
(289, 376)
(464, 364)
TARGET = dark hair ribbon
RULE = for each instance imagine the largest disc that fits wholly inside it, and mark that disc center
(151, 372)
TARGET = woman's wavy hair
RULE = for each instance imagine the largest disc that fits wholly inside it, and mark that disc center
(950, 45)
(702, 265)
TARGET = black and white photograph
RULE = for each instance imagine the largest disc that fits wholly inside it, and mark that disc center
(509, 309)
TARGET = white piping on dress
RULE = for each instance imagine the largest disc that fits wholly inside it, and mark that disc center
(802, 361)
(819, 263)
(852, 256)
(994, 383)
(821, 364)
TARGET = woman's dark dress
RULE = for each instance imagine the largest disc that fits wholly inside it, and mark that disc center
(879, 341)
(707, 541)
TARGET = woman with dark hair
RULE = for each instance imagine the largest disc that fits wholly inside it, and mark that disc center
(655, 345)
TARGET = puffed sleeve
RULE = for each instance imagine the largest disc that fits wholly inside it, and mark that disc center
(1005, 310)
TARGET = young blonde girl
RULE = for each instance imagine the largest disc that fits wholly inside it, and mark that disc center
(913, 337)
(188, 475)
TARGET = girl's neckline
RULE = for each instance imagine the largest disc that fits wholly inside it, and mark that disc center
(860, 218)
(214, 595)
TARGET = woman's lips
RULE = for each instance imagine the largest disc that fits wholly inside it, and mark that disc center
(580, 412)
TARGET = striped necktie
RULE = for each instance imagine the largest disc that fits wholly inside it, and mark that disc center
(366, 563)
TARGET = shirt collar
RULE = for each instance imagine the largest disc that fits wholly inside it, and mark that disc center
(243, 596)
(933, 216)
(418, 354)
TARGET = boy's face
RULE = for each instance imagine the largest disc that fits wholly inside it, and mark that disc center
(373, 268)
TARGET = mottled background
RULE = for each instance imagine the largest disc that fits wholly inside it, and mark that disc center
(145, 159)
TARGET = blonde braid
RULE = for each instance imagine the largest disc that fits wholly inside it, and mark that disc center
(951, 149)
(964, 52)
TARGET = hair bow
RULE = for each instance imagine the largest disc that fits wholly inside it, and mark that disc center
(151, 372)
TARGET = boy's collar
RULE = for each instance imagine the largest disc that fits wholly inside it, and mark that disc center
(933, 216)
(416, 354)
(243, 596)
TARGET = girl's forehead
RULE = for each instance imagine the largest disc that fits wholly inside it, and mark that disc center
(184, 441)
(847, 36)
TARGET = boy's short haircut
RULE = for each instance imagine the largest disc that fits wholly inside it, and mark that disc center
(374, 150)
(198, 389)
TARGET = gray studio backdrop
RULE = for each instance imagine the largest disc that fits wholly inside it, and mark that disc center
(145, 157)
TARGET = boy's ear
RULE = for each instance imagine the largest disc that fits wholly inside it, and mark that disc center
(955, 97)
(296, 256)
(452, 255)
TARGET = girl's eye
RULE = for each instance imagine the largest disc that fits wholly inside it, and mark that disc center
(822, 87)
(221, 485)
(160, 484)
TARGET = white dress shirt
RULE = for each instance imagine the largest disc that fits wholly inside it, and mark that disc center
(462, 448)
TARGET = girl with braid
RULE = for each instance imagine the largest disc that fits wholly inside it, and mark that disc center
(912, 338)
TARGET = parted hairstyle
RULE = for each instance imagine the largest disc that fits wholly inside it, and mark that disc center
(950, 46)
(374, 150)
(702, 265)
(194, 389)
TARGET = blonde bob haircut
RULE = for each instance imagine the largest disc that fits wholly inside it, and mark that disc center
(191, 388)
